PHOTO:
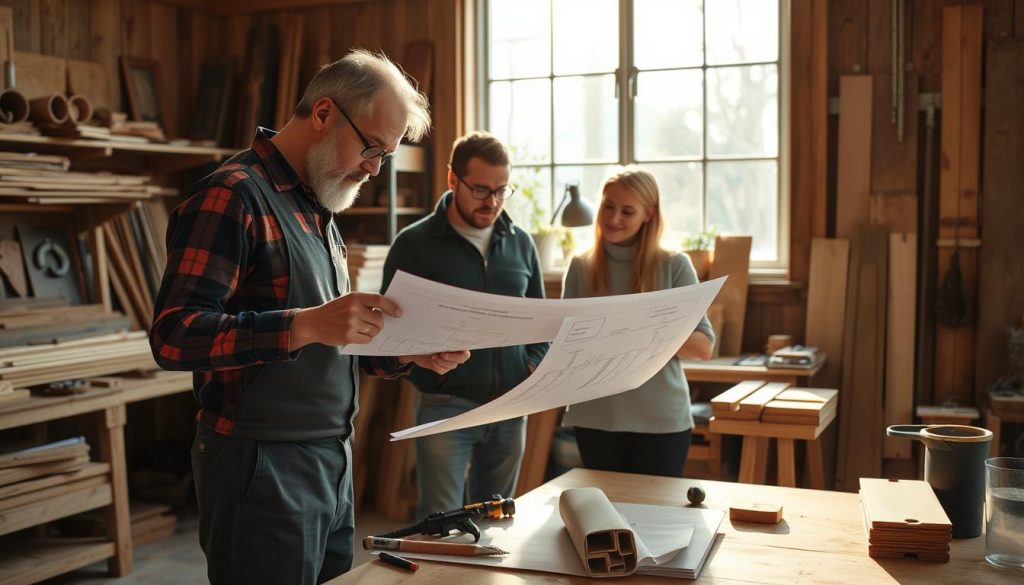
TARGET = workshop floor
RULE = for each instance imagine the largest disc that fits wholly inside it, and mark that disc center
(178, 560)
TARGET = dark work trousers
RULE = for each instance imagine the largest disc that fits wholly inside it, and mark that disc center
(646, 453)
(273, 512)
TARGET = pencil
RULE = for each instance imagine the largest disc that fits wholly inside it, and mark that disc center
(431, 547)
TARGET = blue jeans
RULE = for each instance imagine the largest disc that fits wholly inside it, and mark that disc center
(492, 452)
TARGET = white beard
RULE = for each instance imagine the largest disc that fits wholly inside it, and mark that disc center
(335, 189)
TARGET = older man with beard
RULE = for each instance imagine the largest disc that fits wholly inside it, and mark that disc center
(256, 301)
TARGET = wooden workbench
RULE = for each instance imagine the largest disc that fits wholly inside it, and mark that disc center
(724, 370)
(821, 540)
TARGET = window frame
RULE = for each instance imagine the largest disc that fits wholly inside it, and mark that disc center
(625, 75)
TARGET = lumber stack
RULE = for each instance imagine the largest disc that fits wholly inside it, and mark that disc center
(45, 179)
(366, 267)
(34, 323)
(27, 470)
(101, 355)
(903, 519)
(776, 402)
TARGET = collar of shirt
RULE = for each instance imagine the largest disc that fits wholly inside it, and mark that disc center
(280, 173)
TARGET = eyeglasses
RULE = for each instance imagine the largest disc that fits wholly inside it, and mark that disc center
(370, 151)
(481, 193)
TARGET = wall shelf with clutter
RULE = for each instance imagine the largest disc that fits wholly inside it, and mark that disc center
(396, 197)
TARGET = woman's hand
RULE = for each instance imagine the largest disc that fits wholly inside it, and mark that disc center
(440, 363)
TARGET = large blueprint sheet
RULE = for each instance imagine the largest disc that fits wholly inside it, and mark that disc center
(600, 346)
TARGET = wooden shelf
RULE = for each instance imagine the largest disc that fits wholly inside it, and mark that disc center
(384, 211)
(34, 561)
(66, 503)
(170, 157)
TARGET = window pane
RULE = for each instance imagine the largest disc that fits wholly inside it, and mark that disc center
(520, 115)
(669, 106)
(590, 180)
(742, 31)
(679, 186)
(743, 111)
(530, 205)
(743, 198)
(520, 42)
(586, 119)
(668, 33)
(586, 36)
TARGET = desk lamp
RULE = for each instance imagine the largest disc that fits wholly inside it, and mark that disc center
(577, 213)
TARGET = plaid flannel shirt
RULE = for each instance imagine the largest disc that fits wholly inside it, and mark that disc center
(219, 309)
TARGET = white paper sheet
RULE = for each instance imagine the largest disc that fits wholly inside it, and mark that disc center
(438, 317)
(616, 346)
(539, 541)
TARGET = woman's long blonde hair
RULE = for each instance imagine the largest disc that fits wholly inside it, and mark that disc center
(648, 248)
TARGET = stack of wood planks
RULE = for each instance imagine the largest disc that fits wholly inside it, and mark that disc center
(366, 266)
(39, 321)
(45, 179)
(135, 257)
(903, 519)
(100, 355)
(776, 402)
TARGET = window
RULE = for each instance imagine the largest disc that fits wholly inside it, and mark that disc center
(689, 89)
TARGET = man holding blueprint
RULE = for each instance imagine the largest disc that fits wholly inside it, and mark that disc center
(470, 243)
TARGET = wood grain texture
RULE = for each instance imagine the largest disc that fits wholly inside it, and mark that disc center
(732, 259)
(826, 304)
(900, 340)
(853, 178)
(1001, 273)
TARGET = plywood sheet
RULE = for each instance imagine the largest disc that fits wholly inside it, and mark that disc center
(90, 79)
(40, 75)
(826, 304)
(900, 340)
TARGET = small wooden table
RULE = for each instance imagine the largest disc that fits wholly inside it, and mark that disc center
(756, 436)
(821, 540)
(724, 370)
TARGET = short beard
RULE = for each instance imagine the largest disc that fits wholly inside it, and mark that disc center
(469, 217)
(336, 189)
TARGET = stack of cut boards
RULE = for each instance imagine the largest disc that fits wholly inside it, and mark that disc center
(903, 518)
(776, 402)
(46, 179)
(43, 483)
(101, 355)
(366, 267)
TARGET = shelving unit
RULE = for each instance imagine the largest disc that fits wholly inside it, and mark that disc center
(407, 171)
(103, 483)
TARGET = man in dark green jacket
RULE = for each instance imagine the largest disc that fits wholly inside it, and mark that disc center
(469, 242)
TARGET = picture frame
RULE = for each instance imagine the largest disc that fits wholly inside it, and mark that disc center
(209, 119)
(144, 89)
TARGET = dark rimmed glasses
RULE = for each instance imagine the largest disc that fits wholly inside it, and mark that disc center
(370, 150)
(480, 192)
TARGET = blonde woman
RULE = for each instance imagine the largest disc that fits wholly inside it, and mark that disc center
(645, 430)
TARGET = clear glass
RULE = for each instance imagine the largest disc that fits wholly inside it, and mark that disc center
(586, 119)
(586, 36)
(670, 33)
(1004, 512)
(520, 116)
(742, 31)
(519, 38)
(743, 198)
(669, 115)
(743, 111)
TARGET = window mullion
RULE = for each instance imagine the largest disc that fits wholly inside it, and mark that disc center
(626, 73)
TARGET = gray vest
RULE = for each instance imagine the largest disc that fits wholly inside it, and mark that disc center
(314, 395)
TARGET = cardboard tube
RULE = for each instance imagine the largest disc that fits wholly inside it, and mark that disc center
(81, 108)
(13, 106)
(51, 109)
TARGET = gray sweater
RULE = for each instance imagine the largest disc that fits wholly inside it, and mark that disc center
(662, 404)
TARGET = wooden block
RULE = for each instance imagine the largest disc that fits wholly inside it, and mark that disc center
(732, 259)
(729, 401)
(754, 403)
(755, 512)
(902, 504)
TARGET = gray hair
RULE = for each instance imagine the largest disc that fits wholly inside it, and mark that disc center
(355, 80)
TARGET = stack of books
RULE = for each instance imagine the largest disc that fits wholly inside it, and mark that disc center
(795, 356)
(903, 519)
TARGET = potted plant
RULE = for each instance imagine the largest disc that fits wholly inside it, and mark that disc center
(698, 247)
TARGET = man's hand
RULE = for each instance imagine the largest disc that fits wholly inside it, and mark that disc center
(353, 318)
(441, 363)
